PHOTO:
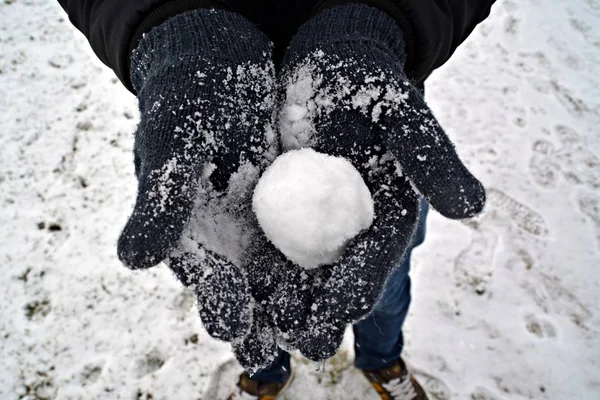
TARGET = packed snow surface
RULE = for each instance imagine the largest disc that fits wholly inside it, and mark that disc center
(215, 223)
(311, 204)
(503, 308)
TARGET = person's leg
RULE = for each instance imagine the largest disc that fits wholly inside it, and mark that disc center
(277, 372)
(378, 339)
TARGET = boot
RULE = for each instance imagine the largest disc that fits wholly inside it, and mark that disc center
(251, 389)
(395, 383)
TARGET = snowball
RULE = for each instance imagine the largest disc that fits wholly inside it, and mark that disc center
(310, 205)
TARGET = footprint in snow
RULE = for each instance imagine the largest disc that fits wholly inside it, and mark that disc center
(539, 327)
(222, 380)
(435, 387)
(572, 160)
(91, 373)
(548, 292)
(589, 205)
(151, 362)
(474, 266)
(519, 214)
(482, 393)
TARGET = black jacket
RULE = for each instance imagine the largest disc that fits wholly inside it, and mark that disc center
(433, 29)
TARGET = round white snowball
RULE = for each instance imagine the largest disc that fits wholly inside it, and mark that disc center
(311, 204)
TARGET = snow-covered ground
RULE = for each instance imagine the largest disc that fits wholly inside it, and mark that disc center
(505, 307)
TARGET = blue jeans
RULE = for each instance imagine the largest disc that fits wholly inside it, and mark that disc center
(378, 339)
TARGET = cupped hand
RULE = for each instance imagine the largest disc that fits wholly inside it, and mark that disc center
(345, 94)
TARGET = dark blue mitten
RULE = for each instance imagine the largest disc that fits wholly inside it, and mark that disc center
(206, 89)
(345, 93)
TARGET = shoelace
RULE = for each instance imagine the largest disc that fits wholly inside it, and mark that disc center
(401, 388)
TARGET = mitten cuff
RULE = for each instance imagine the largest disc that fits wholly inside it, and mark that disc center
(391, 8)
(202, 34)
(352, 29)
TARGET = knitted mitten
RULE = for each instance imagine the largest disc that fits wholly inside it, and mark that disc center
(205, 84)
(346, 94)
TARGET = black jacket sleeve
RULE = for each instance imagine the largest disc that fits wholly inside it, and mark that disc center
(432, 29)
(114, 27)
